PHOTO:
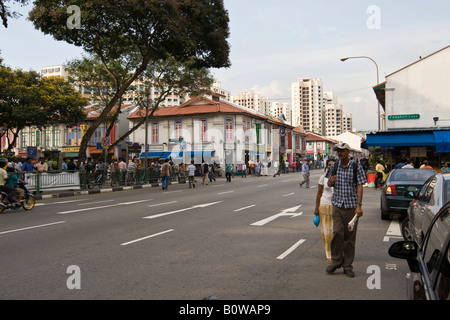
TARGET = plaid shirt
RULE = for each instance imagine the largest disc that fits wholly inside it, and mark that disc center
(345, 192)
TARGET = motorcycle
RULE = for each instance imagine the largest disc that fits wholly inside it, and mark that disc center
(27, 203)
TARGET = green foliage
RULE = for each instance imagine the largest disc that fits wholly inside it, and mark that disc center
(128, 35)
(28, 100)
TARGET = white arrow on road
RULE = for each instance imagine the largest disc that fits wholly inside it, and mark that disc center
(285, 212)
(181, 210)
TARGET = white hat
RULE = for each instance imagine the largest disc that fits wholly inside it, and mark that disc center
(342, 146)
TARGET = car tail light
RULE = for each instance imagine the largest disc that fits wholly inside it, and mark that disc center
(391, 190)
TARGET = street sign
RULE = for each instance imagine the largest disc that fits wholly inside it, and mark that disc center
(32, 152)
(105, 142)
(404, 117)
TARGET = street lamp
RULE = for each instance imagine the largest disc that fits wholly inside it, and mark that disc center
(378, 79)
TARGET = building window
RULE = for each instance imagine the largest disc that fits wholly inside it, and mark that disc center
(203, 130)
(229, 129)
(155, 132)
(24, 139)
(178, 127)
(56, 137)
(47, 137)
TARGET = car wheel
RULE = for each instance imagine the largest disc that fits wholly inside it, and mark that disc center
(385, 215)
(406, 230)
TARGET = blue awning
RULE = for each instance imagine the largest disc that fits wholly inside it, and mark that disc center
(151, 155)
(199, 154)
(413, 139)
(165, 155)
(442, 141)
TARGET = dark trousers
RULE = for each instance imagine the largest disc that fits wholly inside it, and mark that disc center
(343, 242)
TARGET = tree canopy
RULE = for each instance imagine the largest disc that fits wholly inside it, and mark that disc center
(131, 33)
(28, 100)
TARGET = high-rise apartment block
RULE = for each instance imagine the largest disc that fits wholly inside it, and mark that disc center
(254, 101)
(307, 104)
(282, 108)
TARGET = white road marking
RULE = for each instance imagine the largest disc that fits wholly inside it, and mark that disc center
(58, 202)
(181, 210)
(289, 194)
(102, 207)
(288, 251)
(263, 185)
(285, 212)
(33, 227)
(393, 231)
(225, 192)
(247, 207)
(88, 203)
(161, 204)
(144, 238)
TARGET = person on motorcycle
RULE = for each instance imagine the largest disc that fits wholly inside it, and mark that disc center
(3, 178)
(12, 181)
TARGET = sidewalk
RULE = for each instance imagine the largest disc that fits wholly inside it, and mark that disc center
(50, 194)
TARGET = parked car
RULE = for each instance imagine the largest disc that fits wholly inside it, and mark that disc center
(393, 198)
(434, 193)
(430, 264)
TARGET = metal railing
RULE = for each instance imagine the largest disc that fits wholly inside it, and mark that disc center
(83, 180)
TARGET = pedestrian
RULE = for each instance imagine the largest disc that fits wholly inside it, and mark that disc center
(228, 169)
(28, 166)
(244, 170)
(211, 174)
(305, 173)
(324, 210)
(425, 165)
(275, 168)
(166, 170)
(347, 177)
(41, 166)
(258, 168)
(205, 172)
(445, 167)
(191, 174)
(379, 168)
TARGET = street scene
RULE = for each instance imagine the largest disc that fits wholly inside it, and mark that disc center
(224, 150)
(251, 239)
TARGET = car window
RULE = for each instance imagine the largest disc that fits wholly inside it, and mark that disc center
(443, 281)
(411, 175)
(433, 248)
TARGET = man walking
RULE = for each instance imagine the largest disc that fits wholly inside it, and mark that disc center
(305, 172)
(347, 177)
(166, 170)
(191, 174)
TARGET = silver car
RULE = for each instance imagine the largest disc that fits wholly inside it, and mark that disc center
(434, 193)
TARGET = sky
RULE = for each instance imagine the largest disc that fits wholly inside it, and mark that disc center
(274, 43)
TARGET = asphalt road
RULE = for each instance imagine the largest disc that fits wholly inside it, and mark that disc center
(251, 239)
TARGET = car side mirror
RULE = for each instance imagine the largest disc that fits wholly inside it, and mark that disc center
(406, 250)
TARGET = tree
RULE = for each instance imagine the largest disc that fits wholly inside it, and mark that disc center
(6, 13)
(169, 76)
(134, 32)
(28, 100)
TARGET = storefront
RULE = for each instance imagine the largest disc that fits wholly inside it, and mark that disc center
(415, 145)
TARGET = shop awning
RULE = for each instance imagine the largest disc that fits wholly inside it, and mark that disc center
(442, 141)
(165, 155)
(151, 154)
(413, 139)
